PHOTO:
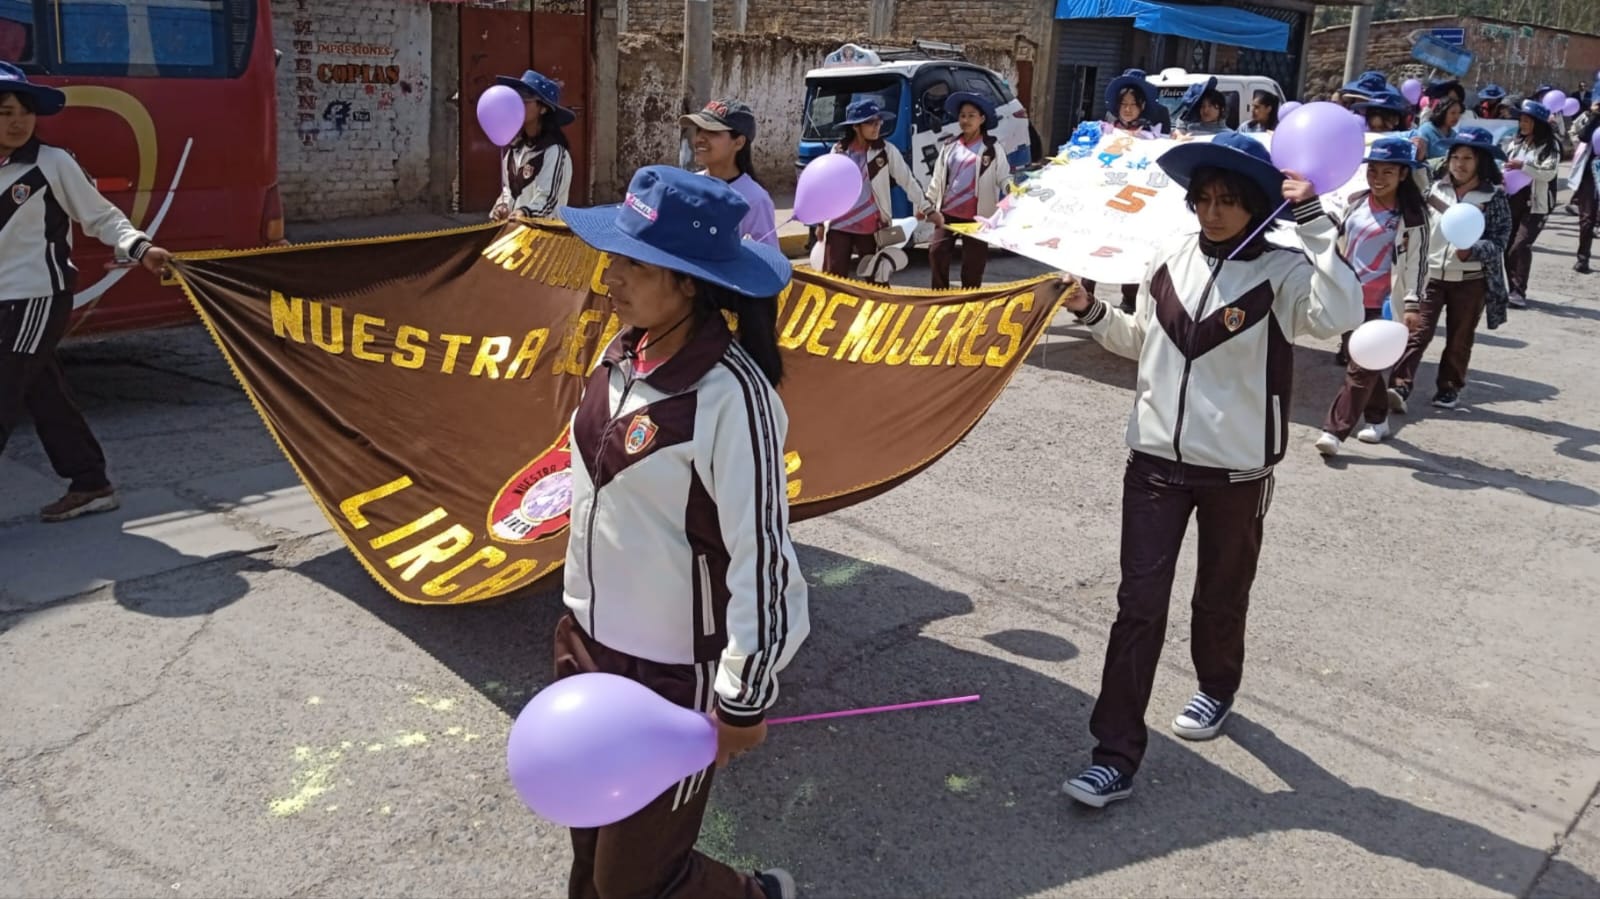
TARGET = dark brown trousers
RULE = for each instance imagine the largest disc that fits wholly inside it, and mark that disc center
(32, 382)
(1588, 213)
(1158, 497)
(840, 249)
(1461, 305)
(1362, 396)
(1525, 230)
(650, 855)
(974, 255)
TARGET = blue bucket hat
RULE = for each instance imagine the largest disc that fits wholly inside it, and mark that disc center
(954, 102)
(1394, 151)
(1491, 93)
(1477, 138)
(1440, 89)
(865, 110)
(534, 86)
(1134, 78)
(1229, 151)
(46, 100)
(1191, 97)
(687, 223)
(1367, 84)
(1534, 110)
(1387, 101)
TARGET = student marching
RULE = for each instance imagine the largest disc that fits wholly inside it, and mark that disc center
(536, 169)
(851, 241)
(969, 178)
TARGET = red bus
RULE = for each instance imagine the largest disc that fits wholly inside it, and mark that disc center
(172, 109)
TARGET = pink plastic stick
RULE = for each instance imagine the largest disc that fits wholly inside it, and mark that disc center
(876, 709)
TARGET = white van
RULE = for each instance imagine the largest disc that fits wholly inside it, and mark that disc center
(1171, 84)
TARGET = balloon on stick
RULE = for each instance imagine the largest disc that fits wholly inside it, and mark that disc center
(1285, 109)
(1570, 108)
(1378, 344)
(1554, 100)
(501, 113)
(1516, 180)
(1411, 90)
(828, 188)
(1462, 225)
(592, 749)
(1323, 143)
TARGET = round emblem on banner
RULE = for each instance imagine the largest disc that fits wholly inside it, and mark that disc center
(537, 502)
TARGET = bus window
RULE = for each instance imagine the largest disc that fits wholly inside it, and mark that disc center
(16, 31)
(153, 38)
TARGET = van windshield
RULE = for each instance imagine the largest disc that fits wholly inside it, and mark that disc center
(827, 99)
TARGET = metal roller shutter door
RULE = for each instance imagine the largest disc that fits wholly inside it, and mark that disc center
(1098, 44)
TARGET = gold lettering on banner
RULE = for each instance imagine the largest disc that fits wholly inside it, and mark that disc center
(930, 333)
(491, 352)
(549, 257)
(901, 350)
(597, 284)
(613, 325)
(885, 335)
(409, 528)
(532, 346)
(1013, 331)
(288, 317)
(791, 464)
(966, 314)
(869, 321)
(826, 323)
(968, 357)
(452, 349)
(351, 508)
(504, 579)
(438, 549)
(334, 341)
(490, 557)
(409, 340)
(806, 312)
(359, 338)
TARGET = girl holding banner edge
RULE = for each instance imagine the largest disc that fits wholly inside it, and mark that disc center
(968, 180)
(1129, 107)
(1214, 335)
(680, 573)
(1383, 233)
(536, 169)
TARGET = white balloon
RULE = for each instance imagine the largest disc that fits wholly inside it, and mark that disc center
(1378, 344)
(1462, 225)
(816, 256)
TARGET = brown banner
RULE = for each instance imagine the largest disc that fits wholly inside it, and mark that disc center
(421, 386)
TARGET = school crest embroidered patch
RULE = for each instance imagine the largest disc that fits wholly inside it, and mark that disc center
(20, 193)
(641, 433)
(525, 172)
(1233, 318)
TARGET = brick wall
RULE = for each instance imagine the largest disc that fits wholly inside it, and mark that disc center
(956, 21)
(1517, 57)
(354, 91)
(964, 21)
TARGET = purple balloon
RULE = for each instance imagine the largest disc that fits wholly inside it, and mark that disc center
(592, 749)
(1322, 143)
(1287, 108)
(829, 187)
(1411, 90)
(1554, 100)
(1595, 143)
(501, 113)
(1516, 180)
(1570, 108)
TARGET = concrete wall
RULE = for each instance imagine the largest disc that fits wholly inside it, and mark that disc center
(1517, 57)
(355, 107)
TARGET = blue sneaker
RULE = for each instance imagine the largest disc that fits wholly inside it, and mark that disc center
(1201, 718)
(1099, 785)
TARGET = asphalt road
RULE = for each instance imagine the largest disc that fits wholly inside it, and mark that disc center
(204, 695)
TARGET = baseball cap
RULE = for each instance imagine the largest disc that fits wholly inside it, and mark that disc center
(724, 115)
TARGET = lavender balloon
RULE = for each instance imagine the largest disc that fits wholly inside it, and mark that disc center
(592, 749)
(1411, 90)
(1321, 142)
(501, 113)
(1285, 109)
(1554, 100)
(1517, 180)
(1571, 107)
(829, 186)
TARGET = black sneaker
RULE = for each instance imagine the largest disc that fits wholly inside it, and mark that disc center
(1201, 718)
(1398, 395)
(776, 883)
(1098, 786)
(1582, 268)
(1446, 399)
(1517, 301)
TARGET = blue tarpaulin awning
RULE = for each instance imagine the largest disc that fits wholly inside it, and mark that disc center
(1220, 24)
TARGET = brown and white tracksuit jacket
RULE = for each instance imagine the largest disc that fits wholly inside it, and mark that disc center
(680, 551)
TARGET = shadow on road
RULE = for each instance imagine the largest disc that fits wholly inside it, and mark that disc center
(951, 800)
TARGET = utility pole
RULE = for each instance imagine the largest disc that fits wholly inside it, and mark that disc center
(696, 66)
(1355, 52)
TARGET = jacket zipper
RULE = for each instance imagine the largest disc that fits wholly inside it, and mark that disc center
(708, 620)
(594, 499)
(1188, 359)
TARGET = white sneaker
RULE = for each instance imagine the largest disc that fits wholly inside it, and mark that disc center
(1374, 433)
(1328, 445)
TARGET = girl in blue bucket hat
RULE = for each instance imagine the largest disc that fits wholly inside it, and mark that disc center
(1587, 193)
(536, 169)
(853, 234)
(969, 178)
(1534, 150)
(43, 192)
(680, 572)
(1383, 235)
(1463, 282)
(1213, 334)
